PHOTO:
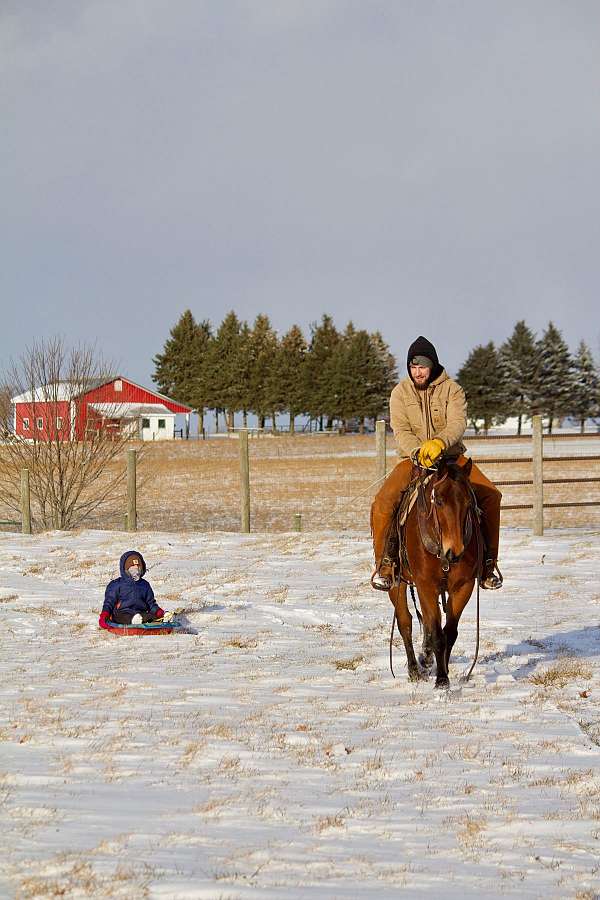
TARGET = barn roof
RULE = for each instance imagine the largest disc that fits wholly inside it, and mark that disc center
(131, 410)
(53, 393)
(183, 406)
(68, 390)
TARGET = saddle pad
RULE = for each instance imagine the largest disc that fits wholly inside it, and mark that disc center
(409, 498)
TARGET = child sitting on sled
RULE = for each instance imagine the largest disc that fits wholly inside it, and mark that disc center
(130, 599)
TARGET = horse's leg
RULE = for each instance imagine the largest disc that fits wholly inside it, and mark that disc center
(404, 619)
(457, 600)
(432, 623)
(426, 654)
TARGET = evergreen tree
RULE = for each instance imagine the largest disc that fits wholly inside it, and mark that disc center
(344, 371)
(181, 369)
(481, 378)
(320, 396)
(360, 373)
(553, 381)
(289, 382)
(386, 378)
(518, 358)
(245, 352)
(263, 357)
(585, 399)
(227, 368)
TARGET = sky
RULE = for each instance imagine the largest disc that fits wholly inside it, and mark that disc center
(417, 167)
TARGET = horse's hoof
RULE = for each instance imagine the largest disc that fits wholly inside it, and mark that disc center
(442, 684)
(417, 675)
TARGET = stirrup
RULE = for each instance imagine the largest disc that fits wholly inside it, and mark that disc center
(383, 582)
(492, 579)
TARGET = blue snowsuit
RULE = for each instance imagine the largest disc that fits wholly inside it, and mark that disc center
(129, 596)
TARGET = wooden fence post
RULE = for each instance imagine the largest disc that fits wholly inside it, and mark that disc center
(380, 450)
(244, 481)
(538, 475)
(131, 491)
(25, 502)
(297, 521)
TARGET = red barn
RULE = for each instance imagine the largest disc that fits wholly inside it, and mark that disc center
(66, 410)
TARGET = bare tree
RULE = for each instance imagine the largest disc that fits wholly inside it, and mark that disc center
(67, 445)
(5, 395)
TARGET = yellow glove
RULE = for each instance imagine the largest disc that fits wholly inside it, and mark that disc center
(430, 450)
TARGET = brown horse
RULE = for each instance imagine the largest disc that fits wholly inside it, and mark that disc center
(441, 554)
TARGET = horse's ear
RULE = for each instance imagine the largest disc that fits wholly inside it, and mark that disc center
(467, 468)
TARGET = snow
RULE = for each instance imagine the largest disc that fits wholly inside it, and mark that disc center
(268, 752)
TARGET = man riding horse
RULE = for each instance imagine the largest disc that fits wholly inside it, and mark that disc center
(428, 415)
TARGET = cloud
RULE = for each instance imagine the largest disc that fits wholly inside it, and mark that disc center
(419, 167)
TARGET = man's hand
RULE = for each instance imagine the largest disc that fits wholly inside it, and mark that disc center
(430, 450)
(103, 620)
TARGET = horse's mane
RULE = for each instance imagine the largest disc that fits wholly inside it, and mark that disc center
(454, 471)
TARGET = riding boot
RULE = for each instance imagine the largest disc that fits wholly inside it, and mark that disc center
(488, 499)
(491, 576)
(383, 525)
(385, 544)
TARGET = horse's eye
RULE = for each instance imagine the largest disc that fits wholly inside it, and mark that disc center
(438, 502)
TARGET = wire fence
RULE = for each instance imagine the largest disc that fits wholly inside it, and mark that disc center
(289, 483)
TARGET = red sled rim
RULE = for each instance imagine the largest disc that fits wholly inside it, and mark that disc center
(127, 630)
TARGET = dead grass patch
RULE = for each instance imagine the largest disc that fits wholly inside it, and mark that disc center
(374, 763)
(470, 834)
(562, 673)
(80, 880)
(242, 643)
(190, 753)
(324, 823)
(220, 730)
(351, 664)
(213, 808)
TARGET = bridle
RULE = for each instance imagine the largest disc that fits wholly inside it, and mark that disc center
(429, 523)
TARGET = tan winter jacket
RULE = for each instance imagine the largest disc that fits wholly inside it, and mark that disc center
(438, 412)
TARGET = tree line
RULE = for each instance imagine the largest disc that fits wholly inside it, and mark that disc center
(332, 377)
(337, 377)
(526, 376)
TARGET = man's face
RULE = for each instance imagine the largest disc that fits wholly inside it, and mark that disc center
(420, 375)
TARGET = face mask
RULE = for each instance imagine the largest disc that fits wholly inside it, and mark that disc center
(134, 572)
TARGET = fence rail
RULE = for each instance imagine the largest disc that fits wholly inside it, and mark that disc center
(551, 505)
(546, 480)
(373, 473)
(554, 436)
(537, 481)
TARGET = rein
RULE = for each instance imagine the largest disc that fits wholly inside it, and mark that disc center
(395, 617)
(479, 539)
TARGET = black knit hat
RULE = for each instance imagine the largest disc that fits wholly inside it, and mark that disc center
(423, 347)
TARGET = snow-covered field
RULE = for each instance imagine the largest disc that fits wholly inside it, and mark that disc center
(270, 753)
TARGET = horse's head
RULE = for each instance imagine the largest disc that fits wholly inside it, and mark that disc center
(451, 499)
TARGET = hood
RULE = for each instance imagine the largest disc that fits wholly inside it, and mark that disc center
(423, 347)
(131, 553)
